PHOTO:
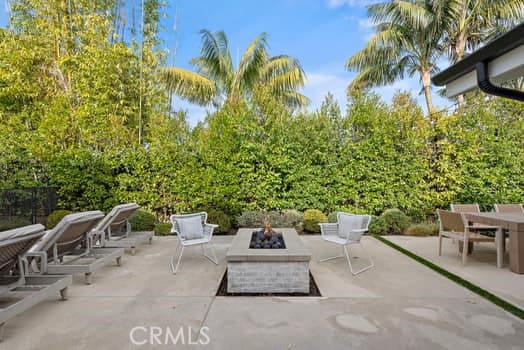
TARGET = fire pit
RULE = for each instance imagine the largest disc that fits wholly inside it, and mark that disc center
(262, 239)
(267, 270)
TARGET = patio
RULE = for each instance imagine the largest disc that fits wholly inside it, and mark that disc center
(398, 304)
(481, 268)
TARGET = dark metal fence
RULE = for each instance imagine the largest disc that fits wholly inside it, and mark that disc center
(25, 206)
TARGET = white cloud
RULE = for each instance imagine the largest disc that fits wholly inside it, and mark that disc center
(352, 3)
(365, 24)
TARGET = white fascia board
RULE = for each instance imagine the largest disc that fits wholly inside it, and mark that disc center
(504, 68)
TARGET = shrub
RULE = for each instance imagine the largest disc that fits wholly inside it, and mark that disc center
(219, 218)
(163, 229)
(54, 218)
(332, 217)
(378, 226)
(422, 230)
(251, 218)
(142, 220)
(286, 218)
(312, 217)
(13, 222)
(396, 221)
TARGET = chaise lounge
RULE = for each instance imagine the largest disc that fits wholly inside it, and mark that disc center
(114, 230)
(68, 248)
(18, 291)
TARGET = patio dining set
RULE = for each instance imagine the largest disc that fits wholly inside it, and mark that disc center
(466, 224)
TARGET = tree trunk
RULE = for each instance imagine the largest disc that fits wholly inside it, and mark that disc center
(460, 47)
(459, 51)
(426, 83)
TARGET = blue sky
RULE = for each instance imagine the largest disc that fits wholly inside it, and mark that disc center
(322, 34)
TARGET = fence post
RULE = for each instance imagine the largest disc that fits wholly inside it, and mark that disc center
(33, 205)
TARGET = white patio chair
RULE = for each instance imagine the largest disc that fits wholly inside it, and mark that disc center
(192, 230)
(348, 230)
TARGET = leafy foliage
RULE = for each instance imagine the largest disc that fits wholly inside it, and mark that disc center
(142, 220)
(312, 217)
(219, 218)
(251, 218)
(163, 229)
(396, 221)
(332, 217)
(422, 230)
(13, 222)
(378, 226)
(54, 218)
(256, 218)
(217, 80)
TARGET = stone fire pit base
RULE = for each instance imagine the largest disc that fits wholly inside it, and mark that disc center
(268, 270)
(268, 277)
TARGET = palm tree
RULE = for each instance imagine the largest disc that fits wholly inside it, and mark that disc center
(466, 24)
(216, 79)
(405, 44)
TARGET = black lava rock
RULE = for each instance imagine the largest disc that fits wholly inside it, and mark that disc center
(261, 241)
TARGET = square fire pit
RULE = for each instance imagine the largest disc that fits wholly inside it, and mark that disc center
(268, 270)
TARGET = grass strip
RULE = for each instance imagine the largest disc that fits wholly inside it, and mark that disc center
(472, 287)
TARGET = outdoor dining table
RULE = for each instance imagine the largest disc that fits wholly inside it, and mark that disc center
(514, 223)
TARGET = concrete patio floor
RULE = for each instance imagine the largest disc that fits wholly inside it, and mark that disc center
(480, 269)
(399, 304)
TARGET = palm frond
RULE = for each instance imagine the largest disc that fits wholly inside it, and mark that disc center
(411, 13)
(212, 61)
(189, 85)
(251, 64)
(284, 65)
(294, 99)
(216, 76)
(284, 75)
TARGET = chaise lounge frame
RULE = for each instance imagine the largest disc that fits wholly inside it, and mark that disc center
(68, 248)
(109, 229)
(15, 284)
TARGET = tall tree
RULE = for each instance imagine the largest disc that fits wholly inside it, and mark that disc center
(218, 80)
(466, 24)
(406, 43)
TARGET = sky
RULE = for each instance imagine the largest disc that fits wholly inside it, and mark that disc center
(321, 34)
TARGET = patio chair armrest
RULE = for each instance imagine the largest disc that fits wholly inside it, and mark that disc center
(360, 230)
(95, 235)
(480, 228)
(328, 229)
(208, 230)
(37, 255)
